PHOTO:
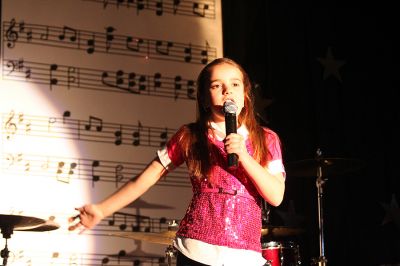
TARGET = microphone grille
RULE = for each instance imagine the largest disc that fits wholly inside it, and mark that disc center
(230, 107)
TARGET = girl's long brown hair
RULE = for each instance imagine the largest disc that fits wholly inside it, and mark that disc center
(197, 149)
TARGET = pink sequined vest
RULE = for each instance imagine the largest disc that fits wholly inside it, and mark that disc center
(227, 213)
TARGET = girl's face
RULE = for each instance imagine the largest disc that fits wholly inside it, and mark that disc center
(226, 82)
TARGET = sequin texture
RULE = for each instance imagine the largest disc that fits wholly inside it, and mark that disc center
(225, 211)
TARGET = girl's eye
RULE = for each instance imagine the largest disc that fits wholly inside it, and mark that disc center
(236, 84)
(215, 86)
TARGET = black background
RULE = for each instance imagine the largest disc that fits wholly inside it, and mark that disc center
(352, 117)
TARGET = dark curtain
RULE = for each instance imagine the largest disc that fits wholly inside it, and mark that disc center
(326, 78)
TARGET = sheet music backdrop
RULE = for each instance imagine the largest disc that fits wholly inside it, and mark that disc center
(90, 89)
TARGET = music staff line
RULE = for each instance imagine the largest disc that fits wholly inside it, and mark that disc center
(204, 8)
(67, 170)
(91, 130)
(120, 258)
(127, 222)
(121, 81)
(107, 42)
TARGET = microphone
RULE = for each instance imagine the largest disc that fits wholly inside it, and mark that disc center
(230, 109)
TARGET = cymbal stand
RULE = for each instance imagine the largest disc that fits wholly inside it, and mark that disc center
(7, 232)
(169, 253)
(170, 250)
(321, 261)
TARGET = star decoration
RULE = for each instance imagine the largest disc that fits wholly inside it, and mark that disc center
(392, 212)
(290, 218)
(260, 103)
(331, 65)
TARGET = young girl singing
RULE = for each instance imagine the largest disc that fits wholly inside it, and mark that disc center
(223, 223)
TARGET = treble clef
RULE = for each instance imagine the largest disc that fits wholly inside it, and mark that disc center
(11, 35)
(10, 126)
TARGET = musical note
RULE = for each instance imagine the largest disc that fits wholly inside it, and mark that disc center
(163, 48)
(176, 4)
(201, 12)
(140, 5)
(45, 36)
(188, 53)
(136, 135)
(109, 37)
(28, 73)
(164, 137)
(22, 30)
(28, 127)
(91, 43)
(112, 221)
(27, 166)
(105, 261)
(71, 78)
(204, 54)
(118, 174)
(133, 44)
(51, 122)
(54, 257)
(10, 158)
(66, 115)
(29, 35)
(66, 177)
(123, 225)
(53, 81)
(178, 86)
(11, 34)
(68, 31)
(159, 7)
(157, 82)
(142, 83)
(118, 136)
(95, 178)
(191, 89)
(95, 120)
(119, 78)
(132, 82)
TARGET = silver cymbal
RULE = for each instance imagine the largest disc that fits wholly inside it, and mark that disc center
(17, 222)
(164, 238)
(48, 225)
(329, 167)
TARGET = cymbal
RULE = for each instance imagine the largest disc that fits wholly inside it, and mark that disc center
(11, 222)
(329, 167)
(48, 225)
(164, 238)
(19, 221)
(281, 231)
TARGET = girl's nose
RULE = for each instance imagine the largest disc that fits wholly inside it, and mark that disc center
(227, 90)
